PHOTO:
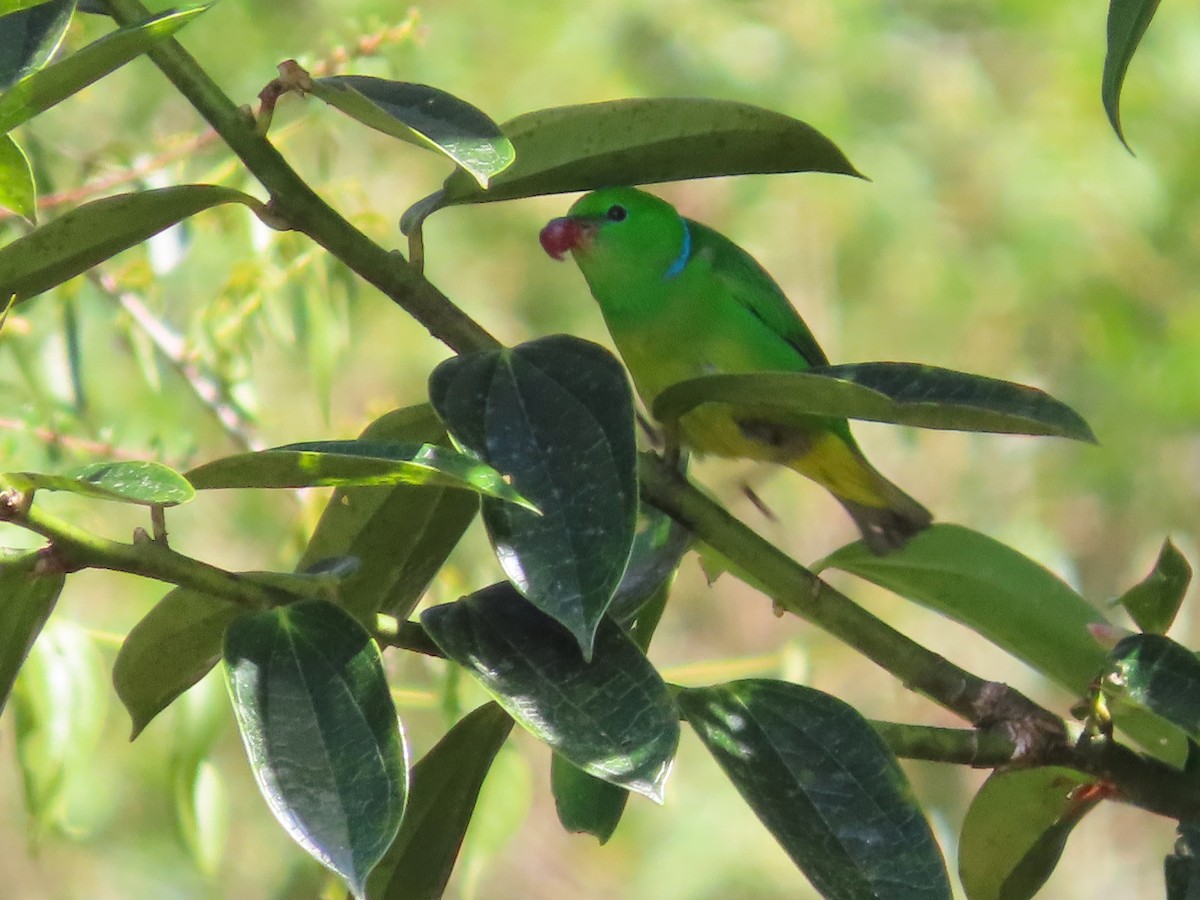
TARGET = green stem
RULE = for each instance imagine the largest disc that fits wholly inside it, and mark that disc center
(966, 747)
(296, 203)
(73, 548)
(797, 590)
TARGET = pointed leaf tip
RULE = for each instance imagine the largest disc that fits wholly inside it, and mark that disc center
(556, 415)
(613, 717)
(1127, 23)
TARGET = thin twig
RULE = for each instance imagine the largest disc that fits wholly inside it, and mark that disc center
(210, 389)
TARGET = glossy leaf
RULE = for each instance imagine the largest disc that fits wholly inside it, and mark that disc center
(400, 534)
(1017, 827)
(42, 89)
(658, 549)
(556, 415)
(17, 191)
(424, 116)
(30, 32)
(1153, 602)
(641, 141)
(96, 231)
(1008, 598)
(824, 784)
(612, 717)
(320, 729)
(140, 482)
(26, 601)
(170, 649)
(347, 463)
(1158, 675)
(445, 787)
(586, 804)
(900, 393)
(1127, 22)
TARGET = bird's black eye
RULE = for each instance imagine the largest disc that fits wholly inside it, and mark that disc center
(617, 213)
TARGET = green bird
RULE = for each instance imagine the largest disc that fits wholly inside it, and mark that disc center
(680, 301)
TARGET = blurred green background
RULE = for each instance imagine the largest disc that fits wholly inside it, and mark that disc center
(1004, 231)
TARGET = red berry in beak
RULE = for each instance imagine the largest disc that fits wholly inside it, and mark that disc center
(561, 235)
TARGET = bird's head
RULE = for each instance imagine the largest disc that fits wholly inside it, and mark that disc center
(619, 232)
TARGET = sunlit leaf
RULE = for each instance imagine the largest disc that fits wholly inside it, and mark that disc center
(1127, 22)
(30, 32)
(399, 534)
(59, 704)
(901, 393)
(170, 649)
(17, 190)
(1158, 675)
(203, 807)
(96, 231)
(445, 787)
(320, 729)
(140, 482)
(1153, 602)
(1010, 599)
(556, 415)
(42, 89)
(824, 784)
(1017, 827)
(424, 116)
(26, 601)
(613, 717)
(346, 463)
(641, 141)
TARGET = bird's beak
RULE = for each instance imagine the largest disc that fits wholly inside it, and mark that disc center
(566, 233)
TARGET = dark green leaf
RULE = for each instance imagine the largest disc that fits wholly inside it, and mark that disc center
(1127, 22)
(400, 535)
(26, 601)
(1017, 827)
(1010, 599)
(17, 191)
(96, 231)
(320, 729)
(445, 787)
(1159, 675)
(641, 141)
(825, 785)
(1154, 601)
(585, 804)
(1183, 866)
(40, 90)
(139, 482)
(424, 116)
(657, 551)
(556, 415)
(612, 717)
(171, 648)
(346, 463)
(30, 32)
(900, 393)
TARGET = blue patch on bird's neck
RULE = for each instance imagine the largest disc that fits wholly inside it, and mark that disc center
(685, 253)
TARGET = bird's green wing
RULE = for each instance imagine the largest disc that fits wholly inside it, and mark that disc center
(749, 284)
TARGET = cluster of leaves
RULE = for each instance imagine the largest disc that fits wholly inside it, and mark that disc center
(539, 440)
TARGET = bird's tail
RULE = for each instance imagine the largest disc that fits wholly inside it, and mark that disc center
(887, 517)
